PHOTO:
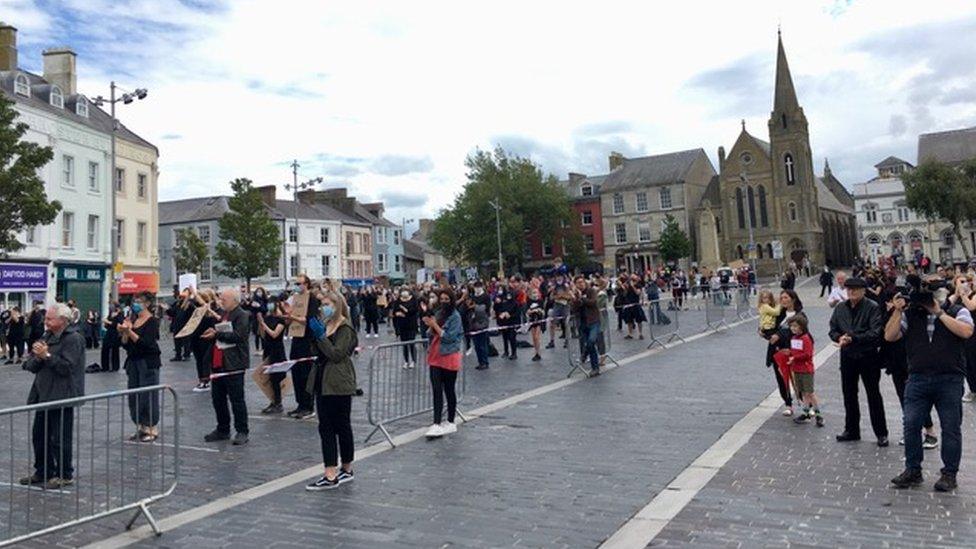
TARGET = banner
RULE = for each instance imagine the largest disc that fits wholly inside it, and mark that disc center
(18, 276)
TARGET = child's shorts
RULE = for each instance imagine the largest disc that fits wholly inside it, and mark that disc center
(804, 382)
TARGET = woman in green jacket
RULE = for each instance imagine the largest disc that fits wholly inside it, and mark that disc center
(333, 382)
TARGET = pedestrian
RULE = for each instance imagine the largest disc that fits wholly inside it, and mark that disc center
(271, 326)
(140, 338)
(856, 325)
(4, 326)
(201, 346)
(444, 360)
(826, 281)
(935, 330)
(506, 316)
(230, 359)
(179, 314)
(789, 305)
(587, 313)
(57, 361)
(477, 310)
(405, 311)
(302, 346)
(258, 304)
(91, 329)
(559, 313)
(535, 313)
(111, 342)
(333, 382)
(16, 332)
(75, 314)
(798, 360)
(371, 312)
(838, 294)
(352, 300)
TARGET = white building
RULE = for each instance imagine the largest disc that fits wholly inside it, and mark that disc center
(313, 231)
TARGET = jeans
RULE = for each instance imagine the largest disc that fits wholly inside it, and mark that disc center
(944, 391)
(442, 382)
(335, 428)
(52, 439)
(589, 335)
(481, 347)
(230, 388)
(866, 369)
(900, 378)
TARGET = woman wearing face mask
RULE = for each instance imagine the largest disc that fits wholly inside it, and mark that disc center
(257, 305)
(444, 359)
(333, 382)
(506, 315)
(200, 346)
(405, 311)
(536, 314)
(140, 339)
(271, 327)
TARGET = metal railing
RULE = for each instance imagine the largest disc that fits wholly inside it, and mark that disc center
(79, 463)
(664, 320)
(396, 391)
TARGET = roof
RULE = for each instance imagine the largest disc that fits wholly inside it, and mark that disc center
(764, 145)
(286, 209)
(878, 186)
(651, 170)
(572, 187)
(413, 249)
(892, 161)
(188, 210)
(951, 147)
(713, 192)
(826, 199)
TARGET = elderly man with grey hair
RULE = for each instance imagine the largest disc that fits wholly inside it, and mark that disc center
(58, 363)
(230, 356)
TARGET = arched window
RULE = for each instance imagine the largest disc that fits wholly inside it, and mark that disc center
(752, 207)
(763, 218)
(783, 118)
(790, 169)
(738, 252)
(57, 98)
(740, 209)
(81, 107)
(791, 212)
(22, 85)
(769, 251)
(759, 250)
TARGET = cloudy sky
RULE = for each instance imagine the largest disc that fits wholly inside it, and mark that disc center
(387, 98)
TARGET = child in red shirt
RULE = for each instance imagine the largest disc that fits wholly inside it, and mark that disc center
(799, 358)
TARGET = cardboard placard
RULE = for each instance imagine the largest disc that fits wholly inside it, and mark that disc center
(191, 325)
(187, 280)
(299, 307)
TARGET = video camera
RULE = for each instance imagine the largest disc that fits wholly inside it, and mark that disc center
(920, 293)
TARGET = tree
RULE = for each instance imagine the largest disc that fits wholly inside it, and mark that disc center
(941, 192)
(24, 202)
(190, 251)
(249, 240)
(531, 204)
(674, 243)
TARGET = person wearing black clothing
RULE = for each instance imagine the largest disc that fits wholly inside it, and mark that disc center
(506, 316)
(826, 281)
(111, 342)
(271, 326)
(258, 304)
(857, 326)
(789, 280)
(790, 305)
(477, 310)
(199, 345)
(91, 329)
(230, 356)
(371, 312)
(405, 313)
(35, 324)
(140, 338)
(179, 314)
(303, 347)
(935, 330)
(16, 326)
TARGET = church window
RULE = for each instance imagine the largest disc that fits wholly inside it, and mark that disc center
(718, 225)
(871, 213)
(763, 217)
(665, 198)
(618, 203)
(739, 208)
(745, 158)
(769, 250)
(783, 118)
(759, 250)
(738, 252)
(790, 169)
(791, 211)
(752, 207)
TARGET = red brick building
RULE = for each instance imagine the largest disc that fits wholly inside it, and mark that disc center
(584, 195)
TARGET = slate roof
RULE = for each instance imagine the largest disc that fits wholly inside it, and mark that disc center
(286, 209)
(367, 217)
(572, 188)
(764, 145)
(826, 199)
(952, 147)
(892, 161)
(651, 170)
(188, 210)
(413, 249)
(713, 192)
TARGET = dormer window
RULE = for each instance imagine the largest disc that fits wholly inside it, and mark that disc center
(81, 107)
(22, 85)
(57, 98)
(586, 190)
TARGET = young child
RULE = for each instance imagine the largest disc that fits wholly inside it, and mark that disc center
(799, 359)
(769, 311)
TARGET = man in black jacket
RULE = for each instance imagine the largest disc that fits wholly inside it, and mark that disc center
(935, 331)
(857, 326)
(58, 363)
(229, 363)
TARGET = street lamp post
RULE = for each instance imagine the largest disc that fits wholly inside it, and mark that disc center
(126, 98)
(294, 187)
(498, 230)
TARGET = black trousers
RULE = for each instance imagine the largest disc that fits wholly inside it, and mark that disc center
(442, 382)
(825, 288)
(509, 341)
(51, 435)
(335, 428)
(299, 378)
(15, 347)
(110, 356)
(372, 325)
(182, 346)
(200, 359)
(900, 378)
(143, 407)
(971, 364)
(276, 379)
(866, 370)
(409, 351)
(229, 388)
(784, 390)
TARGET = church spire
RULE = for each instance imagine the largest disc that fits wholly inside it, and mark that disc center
(785, 98)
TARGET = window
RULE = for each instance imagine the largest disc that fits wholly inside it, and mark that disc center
(326, 267)
(642, 202)
(759, 250)
(586, 218)
(292, 233)
(293, 266)
(349, 244)
(586, 190)
(203, 231)
(788, 165)
(324, 235)
(665, 198)
(93, 176)
(948, 238)
(397, 266)
(620, 233)
(738, 252)
(81, 107)
(381, 262)
(871, 213)
(740, 209)
(30, 235)
(205, 269)
(618, 203)
(141, 186)
(752, 207)
(589, 242)
(396, 238)
(57, 98)
(68, 170)
(67, 230)
(718, 225)
(119, 234)
(92, 232)
(22, 85)
(546, 249)
(275, 271)
(527, 248)
(367, 249)
(381, 235)
(141, 237)
(643, 231)
(763, 218)
(791, 212)
(902, 213)
(769, 251)
(120, 180)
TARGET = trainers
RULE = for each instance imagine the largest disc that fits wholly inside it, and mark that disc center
(201, 387)
(58, 483)
(931, 442)
(272, 409)
(32, 480)
(449, 427)
(240, 439)
(536, 358)
(305, 414)
(481, 367)
(413, 365)
(946, 483)
(970, 397)
(323, 483)
(788, 411)
(594, 372)
(215, 436)
(820, 421)
(435, 431)
(908, 478)
(345, 476)
(847, 436)
(550, 345)
(802, 418)
(294, 413)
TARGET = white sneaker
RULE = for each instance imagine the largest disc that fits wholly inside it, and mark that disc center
(435, 431)
(406, 366)
(788, 412)
(969, 397)
(449, 427)
(413, 365)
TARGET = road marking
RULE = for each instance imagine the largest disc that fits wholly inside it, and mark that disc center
(233, 500)
(641, 529)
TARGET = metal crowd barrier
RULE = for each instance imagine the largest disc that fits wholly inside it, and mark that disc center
(664, 321)
(394, 392)
(576, 348)
(716, 304)
(87, 440)
(744, 307)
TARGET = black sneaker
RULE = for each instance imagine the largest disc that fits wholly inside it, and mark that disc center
(481, 367)
(801, 419)
(345, 476)
(240, 439)
(512, 357)
(32, 480)
(930, 442)
(295, 412)
(820, 421)
(908, 478)
(305, 414)
(272, 409)
(594, 372)
(882, 442)
(946, 483)
(215, 436)
(323, 483)
(848, 437)
(536, 358)
(550, 345)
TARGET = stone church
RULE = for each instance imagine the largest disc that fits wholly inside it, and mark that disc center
(767, 191)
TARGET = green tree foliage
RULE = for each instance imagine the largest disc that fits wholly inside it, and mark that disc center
(190, 252)
(674, 243)
(249, 240)
(24, 202)
(942, 192)
(530, 204)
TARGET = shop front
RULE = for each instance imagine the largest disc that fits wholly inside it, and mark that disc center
(85, 284)
(134, 282)
(23, 283)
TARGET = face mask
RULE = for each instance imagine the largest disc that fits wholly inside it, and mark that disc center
(136, 308)
(271, 307)
(479, 291)
(328, 311)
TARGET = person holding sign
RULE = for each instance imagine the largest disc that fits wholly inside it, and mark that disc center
(304, 306)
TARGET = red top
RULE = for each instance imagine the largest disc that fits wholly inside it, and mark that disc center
(801, 349)
(435, 359)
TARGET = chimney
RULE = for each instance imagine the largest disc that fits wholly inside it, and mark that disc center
(375, 208)
(268, 193)
(423, 229)
(616, 160)
(576, 178)
(8, 47)
(59, 69)
(307, 197)
(721, 158)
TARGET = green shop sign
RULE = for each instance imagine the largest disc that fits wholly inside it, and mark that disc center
(94, 274)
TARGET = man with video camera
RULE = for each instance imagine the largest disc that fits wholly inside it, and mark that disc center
(935, 330)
